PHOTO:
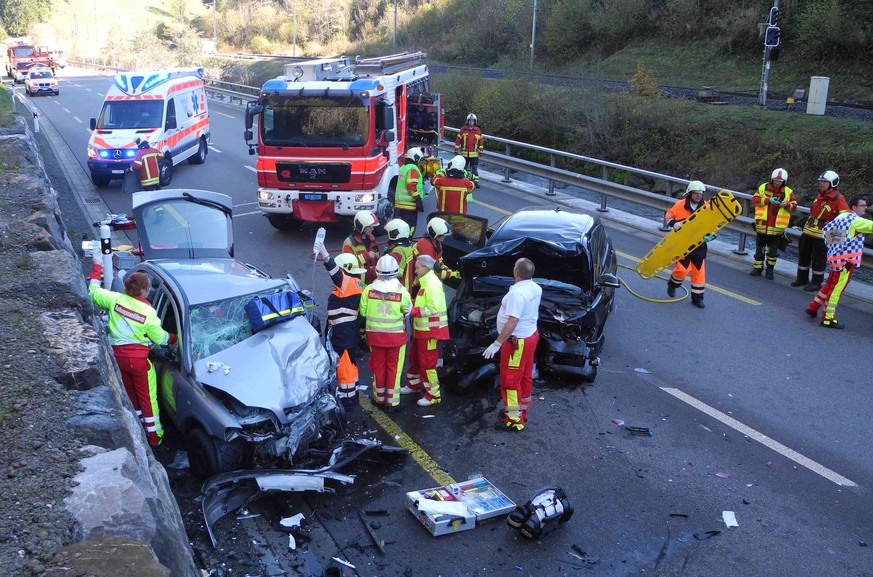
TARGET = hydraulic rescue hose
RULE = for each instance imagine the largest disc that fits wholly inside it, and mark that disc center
(649, 299)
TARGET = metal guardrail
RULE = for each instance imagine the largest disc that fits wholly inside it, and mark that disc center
(742, 225)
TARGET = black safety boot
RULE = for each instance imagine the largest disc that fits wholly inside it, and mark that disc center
(769, 274)
(698, 303)
(756, 272)
(802, 279)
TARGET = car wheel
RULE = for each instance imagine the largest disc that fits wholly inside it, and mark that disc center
(100, 180)
(200, 157)
(166, 171)
(284, 222)
(57, 92)
(209, 456)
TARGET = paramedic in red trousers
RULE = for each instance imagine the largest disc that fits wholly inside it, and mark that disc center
(453, 189)
(517, 339)
(342, 320)
(774, 202)
(383, 306)
(695, 262)
(409, 192)
(811, 249)
(844, 238)
(400, 248)
(147, 163)
(469, 143)
(430, 324)
(133, 328)
(362, 244)
(431, 244)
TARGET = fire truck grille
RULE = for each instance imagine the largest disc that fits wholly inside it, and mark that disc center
(313, 172)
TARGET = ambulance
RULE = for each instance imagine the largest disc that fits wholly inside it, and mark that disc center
(166, 107)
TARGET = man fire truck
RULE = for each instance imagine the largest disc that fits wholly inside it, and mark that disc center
(330, 133)
(26, 54)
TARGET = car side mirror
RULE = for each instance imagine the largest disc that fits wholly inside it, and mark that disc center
(171, 123)
(93, 123)
(609, 280)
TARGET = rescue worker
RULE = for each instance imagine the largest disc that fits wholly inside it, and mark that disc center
(774, 202)
(695, 261)
(811, 249)
(517, 339)
(469, 143)
(453, 189)
(383, 306)
(134, 327)
(148, 163)
(430, 324)
(400, 247)
(342, 320)
(361, 243)
(844, 238)
(431, 244)
(409, 193)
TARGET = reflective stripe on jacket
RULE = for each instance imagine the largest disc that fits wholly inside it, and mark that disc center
(470, 141)
(131, 321)
(342, 307)
(432, 248)
(402, 253)
(410, 186)
(382, 305)
(846, 236)
(771, 219)
(148, 166)
(451, 192)
(824, 209)
(431, 303)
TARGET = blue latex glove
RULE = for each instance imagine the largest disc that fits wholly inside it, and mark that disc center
(774, 200)
(708, 238)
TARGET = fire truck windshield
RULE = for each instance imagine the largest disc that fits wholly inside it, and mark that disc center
(22, 51)
(316, 121)
(117, 114)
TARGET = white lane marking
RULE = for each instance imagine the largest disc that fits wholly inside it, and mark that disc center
(761, 438)
(245, 204)
(67, 110)
(56, 102)
(89, 90)
(252, 168)
(247, 213)
(212, 148)
(76, 118)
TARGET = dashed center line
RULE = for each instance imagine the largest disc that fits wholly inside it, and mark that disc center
(212, 148)
(252, 168)
(76, 118)
(223, 114)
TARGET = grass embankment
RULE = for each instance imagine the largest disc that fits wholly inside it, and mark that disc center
(6, 118)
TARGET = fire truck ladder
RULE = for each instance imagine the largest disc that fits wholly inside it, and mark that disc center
(388, 64)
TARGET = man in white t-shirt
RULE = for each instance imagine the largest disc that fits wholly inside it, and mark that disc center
(517, 339)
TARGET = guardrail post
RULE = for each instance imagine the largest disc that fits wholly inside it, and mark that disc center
(741, 242)
(551, 190)
(506, 178)
(602, 207)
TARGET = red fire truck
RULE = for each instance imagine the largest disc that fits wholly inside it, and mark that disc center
(332, 131)
(26, 54)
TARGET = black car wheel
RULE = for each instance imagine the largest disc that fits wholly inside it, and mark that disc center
(200, 157)
(209, 456)
(100, 180)
(166, 172)
(284, 222)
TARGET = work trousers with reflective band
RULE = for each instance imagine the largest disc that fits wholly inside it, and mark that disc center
(698, 277)
(140, 382)
(813, 251)
(830, 293)
(516, 379)
(347, 378)
(473, 167)
(771, 243)
(423, 357)
(386, 364)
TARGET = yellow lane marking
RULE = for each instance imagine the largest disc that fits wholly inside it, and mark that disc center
(179, 218)
(415, 451)
(492, 207)
(725, 292)
(223, 114)
(77, 119)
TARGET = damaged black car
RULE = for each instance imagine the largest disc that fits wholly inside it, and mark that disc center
(575, 266)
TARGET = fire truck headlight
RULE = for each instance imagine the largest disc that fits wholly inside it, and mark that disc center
(265, 195)
(368, 197)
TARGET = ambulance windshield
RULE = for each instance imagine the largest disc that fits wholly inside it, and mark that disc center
(315, 121)
(118, 114)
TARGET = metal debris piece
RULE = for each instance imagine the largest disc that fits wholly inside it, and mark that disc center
(379, 543)
(638, 431)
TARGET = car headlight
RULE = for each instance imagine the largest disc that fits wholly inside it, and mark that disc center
(265, 195)
(92, 152)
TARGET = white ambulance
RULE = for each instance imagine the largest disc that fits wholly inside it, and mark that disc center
(166, 107)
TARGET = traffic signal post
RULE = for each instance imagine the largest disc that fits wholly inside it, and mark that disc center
(772, 38)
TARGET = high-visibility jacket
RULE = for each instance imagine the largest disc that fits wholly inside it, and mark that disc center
(410, 186)
(470, 141)
(678, 213)
(431, 319)
(824, 209)
(361, 245)
(146, 162)
(382, 305)
(342, 307)
(846, 235)
(433, 248)
(402, 252)
(133, 323)
(452, 192)
(772, 219)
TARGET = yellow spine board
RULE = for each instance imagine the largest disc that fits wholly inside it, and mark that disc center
(678, 244)
(429, 165)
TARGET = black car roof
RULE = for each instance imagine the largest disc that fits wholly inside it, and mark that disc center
(557, 226)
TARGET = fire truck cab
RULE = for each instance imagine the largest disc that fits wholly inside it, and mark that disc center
(333, 132)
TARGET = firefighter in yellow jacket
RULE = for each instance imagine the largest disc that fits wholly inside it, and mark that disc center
(774, 202)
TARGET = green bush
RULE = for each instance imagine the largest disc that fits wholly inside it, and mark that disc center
(261, 45)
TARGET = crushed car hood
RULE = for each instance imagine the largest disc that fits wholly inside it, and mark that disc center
(278, 368)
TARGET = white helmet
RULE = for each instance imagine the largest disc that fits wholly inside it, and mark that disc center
(397, 229)
(415, 154)
(472, 117)
(349, 262)
(365, 218)
(779, 174)
(387, 266)
(438, 227)
(695, 186)
(457, 163)
(830, 177)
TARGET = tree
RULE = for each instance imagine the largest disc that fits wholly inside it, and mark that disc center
(19, 16)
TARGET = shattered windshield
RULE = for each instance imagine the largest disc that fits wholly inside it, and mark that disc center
(219, 325)
(313, 121)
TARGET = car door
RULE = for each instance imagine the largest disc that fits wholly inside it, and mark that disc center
(469, 233)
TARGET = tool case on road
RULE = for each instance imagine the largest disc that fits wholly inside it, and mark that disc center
(477, 500)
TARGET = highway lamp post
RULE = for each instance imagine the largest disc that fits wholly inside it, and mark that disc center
(394, 35)
(533, 34)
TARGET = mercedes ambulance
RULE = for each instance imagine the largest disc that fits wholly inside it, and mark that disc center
(166, 107)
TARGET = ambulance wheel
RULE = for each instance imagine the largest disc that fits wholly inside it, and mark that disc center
(284, 222)
(99, 180)
(209, 456)
(166, 171)
(200, 157)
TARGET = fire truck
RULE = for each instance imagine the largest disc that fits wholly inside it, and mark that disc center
(332, 134)
(24, 54)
